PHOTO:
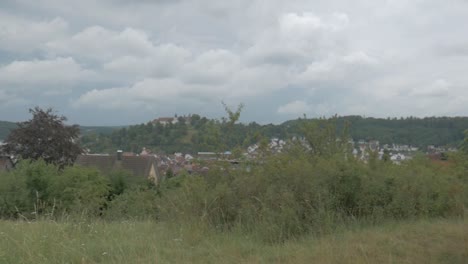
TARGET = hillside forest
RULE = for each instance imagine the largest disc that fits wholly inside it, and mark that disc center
(202, 134)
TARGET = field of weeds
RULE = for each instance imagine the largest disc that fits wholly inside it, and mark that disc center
(435, 241)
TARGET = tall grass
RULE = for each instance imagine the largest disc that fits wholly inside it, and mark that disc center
(293, 194)
(436, 241)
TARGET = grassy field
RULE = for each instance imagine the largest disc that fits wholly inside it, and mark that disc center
(436, 241)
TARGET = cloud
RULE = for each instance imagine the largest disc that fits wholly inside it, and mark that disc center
(102, 44)
(440, 87)
(352, 67)
(144, 94)
(365, 57)
(162, 61)
(297, 107)
(43, 76)
(25, 35)
(212, 67)
(8, 100)
(298, 38)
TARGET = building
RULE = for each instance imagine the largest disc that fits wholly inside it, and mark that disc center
(166, 120)
(138, 166)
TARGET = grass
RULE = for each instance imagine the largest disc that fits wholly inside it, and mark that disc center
(437, 241)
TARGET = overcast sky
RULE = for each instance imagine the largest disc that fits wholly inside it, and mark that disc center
(115, 62)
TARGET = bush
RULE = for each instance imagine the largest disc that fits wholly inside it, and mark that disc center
(293, 193)
(36, 188)
(136, 203)
(14, 198)
(79, 190)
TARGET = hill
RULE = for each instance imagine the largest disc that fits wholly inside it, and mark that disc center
(6, 127)
(201, 134)
(420, 132)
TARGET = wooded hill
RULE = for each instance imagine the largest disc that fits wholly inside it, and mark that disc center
(6, 127)
(202, 134)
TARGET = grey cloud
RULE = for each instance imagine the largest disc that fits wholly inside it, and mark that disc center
(455, 50)
(152, 57)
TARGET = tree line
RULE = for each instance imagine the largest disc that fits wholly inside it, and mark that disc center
(202, 134)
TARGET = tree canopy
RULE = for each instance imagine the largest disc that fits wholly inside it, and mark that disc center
(46, 137)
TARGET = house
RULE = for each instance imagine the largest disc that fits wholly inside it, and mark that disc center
(166, 120)
(398, 158)
(173, 120)
(138, 166)
(6, 164)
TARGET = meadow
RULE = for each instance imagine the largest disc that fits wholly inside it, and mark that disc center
(422, 241)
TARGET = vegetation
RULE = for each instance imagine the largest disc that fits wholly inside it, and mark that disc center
(437, 241)
(44, 137)
(200, 133)
(5, 129)
(300, 191)
(310, 194)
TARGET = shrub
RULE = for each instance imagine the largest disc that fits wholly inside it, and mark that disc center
(80, 190)
(135, 203)
(36, 188)
(14, 198)
(293, 193)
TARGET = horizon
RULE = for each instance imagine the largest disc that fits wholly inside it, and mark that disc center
(122, 62)
(247, 122)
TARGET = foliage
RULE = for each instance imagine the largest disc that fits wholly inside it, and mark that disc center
(79, 190)
(5, 129)
(135, 203)
(50, 242)
(45, 137)
(36, 188)
(314, 189)
(313, 186)
(13, 195)
(203, 134)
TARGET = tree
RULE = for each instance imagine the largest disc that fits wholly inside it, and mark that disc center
(464, 145)
(45, 137)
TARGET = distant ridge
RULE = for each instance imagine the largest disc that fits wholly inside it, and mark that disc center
(6, 127)
(192, 137)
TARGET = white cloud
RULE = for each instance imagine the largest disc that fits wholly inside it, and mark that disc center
(359, 58)
(297, 107)
(300, 107)
(162, 61)
(144, 94)
(352, 66)
(43, 76)
(440, 87)
(23, 35)
(366, 57)
(298, 38)
(102, 44)
(212, 67)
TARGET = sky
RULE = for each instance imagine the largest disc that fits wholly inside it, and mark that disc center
(121, 62)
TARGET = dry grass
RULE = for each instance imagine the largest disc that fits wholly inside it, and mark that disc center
(440, 241)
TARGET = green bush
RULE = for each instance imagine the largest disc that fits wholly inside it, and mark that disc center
(293, 193)
(135, 203)
(79, 190)
(36, 188)
(14, 198)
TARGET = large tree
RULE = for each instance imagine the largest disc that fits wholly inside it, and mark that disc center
(45, 137)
